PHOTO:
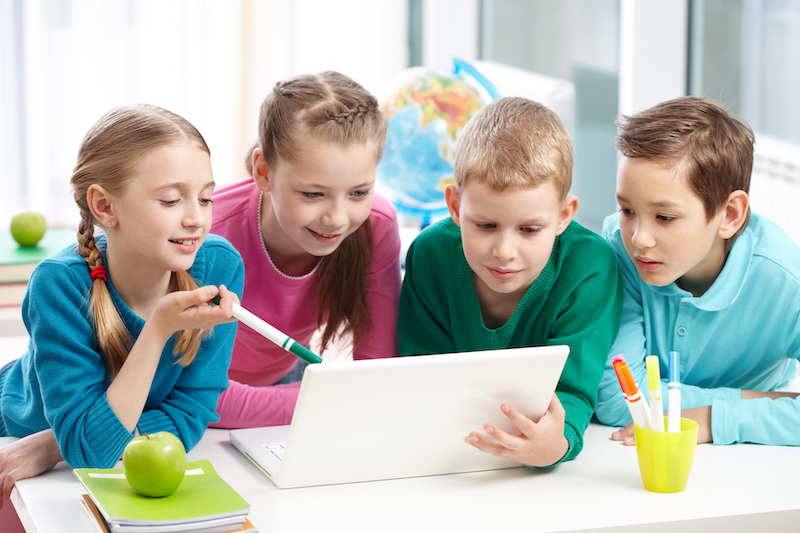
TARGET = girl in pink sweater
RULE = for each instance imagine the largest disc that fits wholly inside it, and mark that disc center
(320, 248)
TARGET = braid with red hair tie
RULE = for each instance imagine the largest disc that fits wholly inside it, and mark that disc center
(99, 272)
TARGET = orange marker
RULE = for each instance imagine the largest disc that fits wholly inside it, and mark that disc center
(637, 405)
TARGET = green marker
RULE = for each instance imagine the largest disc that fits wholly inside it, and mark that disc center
(269, 331)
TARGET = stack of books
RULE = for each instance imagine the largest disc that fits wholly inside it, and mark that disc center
(203, 503)
(17, 263)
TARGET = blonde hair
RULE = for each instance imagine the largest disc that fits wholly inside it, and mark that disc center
(328, 107)
(107, 157)
(514, 143)
(714, 146)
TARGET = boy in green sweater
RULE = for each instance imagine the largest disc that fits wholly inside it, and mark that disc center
(510, 268)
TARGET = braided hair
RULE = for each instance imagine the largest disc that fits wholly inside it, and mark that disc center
(328, 107)
(106, 157)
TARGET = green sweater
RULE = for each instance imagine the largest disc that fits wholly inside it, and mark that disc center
(576, 300)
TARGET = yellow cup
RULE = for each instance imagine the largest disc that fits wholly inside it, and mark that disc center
(665, 459)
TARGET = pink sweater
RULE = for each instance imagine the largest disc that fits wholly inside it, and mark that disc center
(288, 304)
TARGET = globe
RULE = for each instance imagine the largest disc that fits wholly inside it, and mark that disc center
(427, 109)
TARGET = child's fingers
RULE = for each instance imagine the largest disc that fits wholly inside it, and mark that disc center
(223, 310)
(195, 306)
(178, 303)
(226, 294)
(504, 439)
(523, 423)
(476, 440)
(198, 296)
(226, 298)
(8, 486)
(625, 434)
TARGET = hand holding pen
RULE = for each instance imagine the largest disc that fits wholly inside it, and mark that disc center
(272, 333)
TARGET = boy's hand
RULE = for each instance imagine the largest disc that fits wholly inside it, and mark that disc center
(28, 457)
(701, 415)
(625, 434)
(539, 443)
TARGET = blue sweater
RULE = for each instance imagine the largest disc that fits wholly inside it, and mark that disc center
(743, 333)
(61, 381)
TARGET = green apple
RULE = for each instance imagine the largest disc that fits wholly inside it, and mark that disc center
(154, 464)
(28, 228)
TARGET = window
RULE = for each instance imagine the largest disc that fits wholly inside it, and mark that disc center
(745, 54)
(577, 41)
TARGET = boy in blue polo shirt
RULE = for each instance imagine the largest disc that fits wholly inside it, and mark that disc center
(703, 276)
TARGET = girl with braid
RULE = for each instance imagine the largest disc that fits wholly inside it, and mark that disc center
(321, 249)
(120, 338)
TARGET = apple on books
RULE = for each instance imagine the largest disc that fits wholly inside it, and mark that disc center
(154, 464)
(27, 228)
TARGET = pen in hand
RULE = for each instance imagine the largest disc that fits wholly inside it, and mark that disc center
(271, 333)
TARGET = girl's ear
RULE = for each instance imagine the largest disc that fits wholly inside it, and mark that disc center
(453, 200)
(568, 210)
(101, 204)
(736, 210)
(260, 170)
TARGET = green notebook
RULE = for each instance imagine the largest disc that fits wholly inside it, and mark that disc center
(202, 496)
(17, 263)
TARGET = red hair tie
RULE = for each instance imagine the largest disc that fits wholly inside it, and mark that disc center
(98, 272)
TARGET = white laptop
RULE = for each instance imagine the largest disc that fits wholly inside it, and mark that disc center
(402, 416)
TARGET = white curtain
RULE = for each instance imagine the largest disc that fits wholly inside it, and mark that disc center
(63, 63)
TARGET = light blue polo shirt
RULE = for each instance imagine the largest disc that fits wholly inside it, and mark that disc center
(743, 333)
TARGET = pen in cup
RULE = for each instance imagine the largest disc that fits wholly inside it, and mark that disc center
(674, 393)
(637, 405)
(654, 384)
(270, 332)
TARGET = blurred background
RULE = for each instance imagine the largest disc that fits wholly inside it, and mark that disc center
(63, 63)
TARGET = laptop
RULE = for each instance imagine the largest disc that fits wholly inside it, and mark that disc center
(400, 417)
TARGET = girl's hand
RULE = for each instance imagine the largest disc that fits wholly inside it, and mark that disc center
(539, 443)
(191, 310)
(28, 457)
(176, 311)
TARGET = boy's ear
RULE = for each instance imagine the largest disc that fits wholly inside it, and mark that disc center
(101, 204)
(736, 209)
(453, 200)
(568, 210)
(260, 170)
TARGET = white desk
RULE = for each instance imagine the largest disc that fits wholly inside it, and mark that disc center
(731, 488)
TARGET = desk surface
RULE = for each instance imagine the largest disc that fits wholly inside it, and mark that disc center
(741, 488)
